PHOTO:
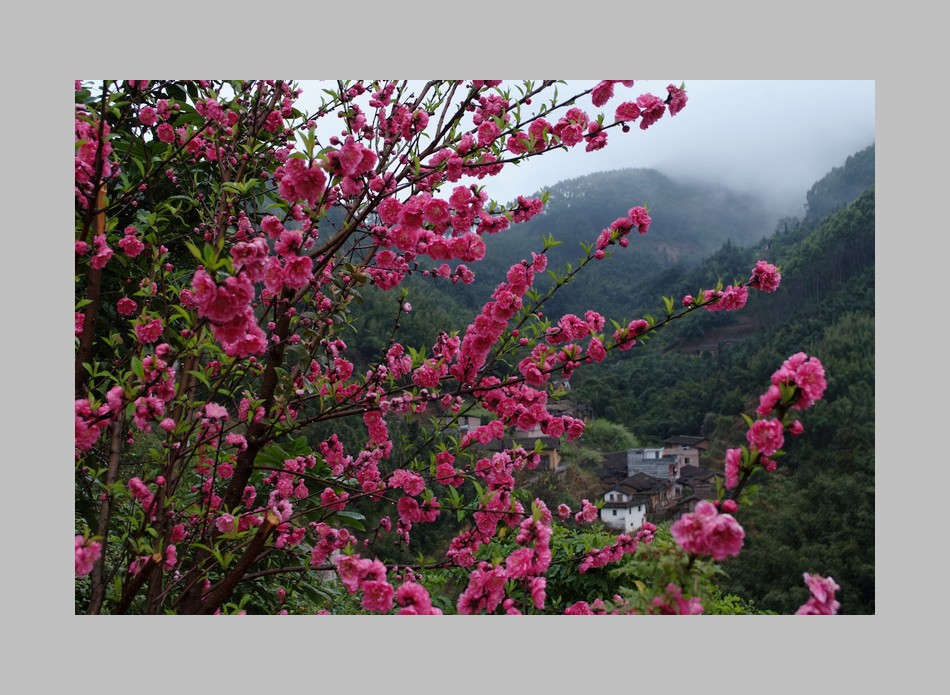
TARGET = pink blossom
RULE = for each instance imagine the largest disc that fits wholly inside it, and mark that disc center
(810, 378)
(488, 131)
(768, 400)
(298, 272)
(415, 600)
(377, 596)
(588, 513)
(730, 299)
(224, 523)
(131, 245)
(724, 537)
(596, 137)
(640, 218)
(103, 253)
(171, 558)
(627, 111)
(807, 373)
(126, 306)
(651, 109)
(767, 436)
(602, 92)
(215, 411)
(237, 440)
(765, 277)
(87, 552)
(165, 132)
(148, 116)
(579, 608)
(733, 459)
(301, 181)
(86, 428)
(225, 302)
(676, 98)
(673, 603)
(149, 332)
(446, 474)
(706, 532)
(518, 143)
(485, 590)
(141, 492)
(822, 600)
(537, 588)
(332, 501)
(115, 398)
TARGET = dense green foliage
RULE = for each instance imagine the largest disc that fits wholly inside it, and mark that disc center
(841, 185)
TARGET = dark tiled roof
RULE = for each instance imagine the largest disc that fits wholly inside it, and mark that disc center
(697, 442)
(696, 473)
(646, 483)
(639, 484)
(613, 469)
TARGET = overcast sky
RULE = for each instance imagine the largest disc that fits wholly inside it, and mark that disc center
(772, 136)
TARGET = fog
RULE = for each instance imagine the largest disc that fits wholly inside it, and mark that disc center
(770, 137)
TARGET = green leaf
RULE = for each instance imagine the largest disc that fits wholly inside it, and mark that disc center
(200, 376)
(194, 250)
(352, 519)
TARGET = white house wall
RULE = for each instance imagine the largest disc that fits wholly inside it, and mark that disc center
(629, 519)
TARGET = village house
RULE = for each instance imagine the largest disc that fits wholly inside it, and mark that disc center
(653, 484)
(695, 484)
(685, 449)
(627, 503)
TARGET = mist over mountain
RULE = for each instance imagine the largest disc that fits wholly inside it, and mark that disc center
(701, 231)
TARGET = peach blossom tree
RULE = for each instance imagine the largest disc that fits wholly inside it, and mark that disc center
(235, 452)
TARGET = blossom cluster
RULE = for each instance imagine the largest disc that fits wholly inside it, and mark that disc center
(87, 552)
(798, 384)
(707, 532)
(624, 545)
(822, 600)
(378, 595)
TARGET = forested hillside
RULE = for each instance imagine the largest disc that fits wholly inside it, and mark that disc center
(817, 509)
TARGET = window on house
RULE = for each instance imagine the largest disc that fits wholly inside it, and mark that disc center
(686, 459)
(615, 512)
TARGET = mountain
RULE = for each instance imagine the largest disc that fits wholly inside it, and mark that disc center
(841, 185)
(690, 221)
